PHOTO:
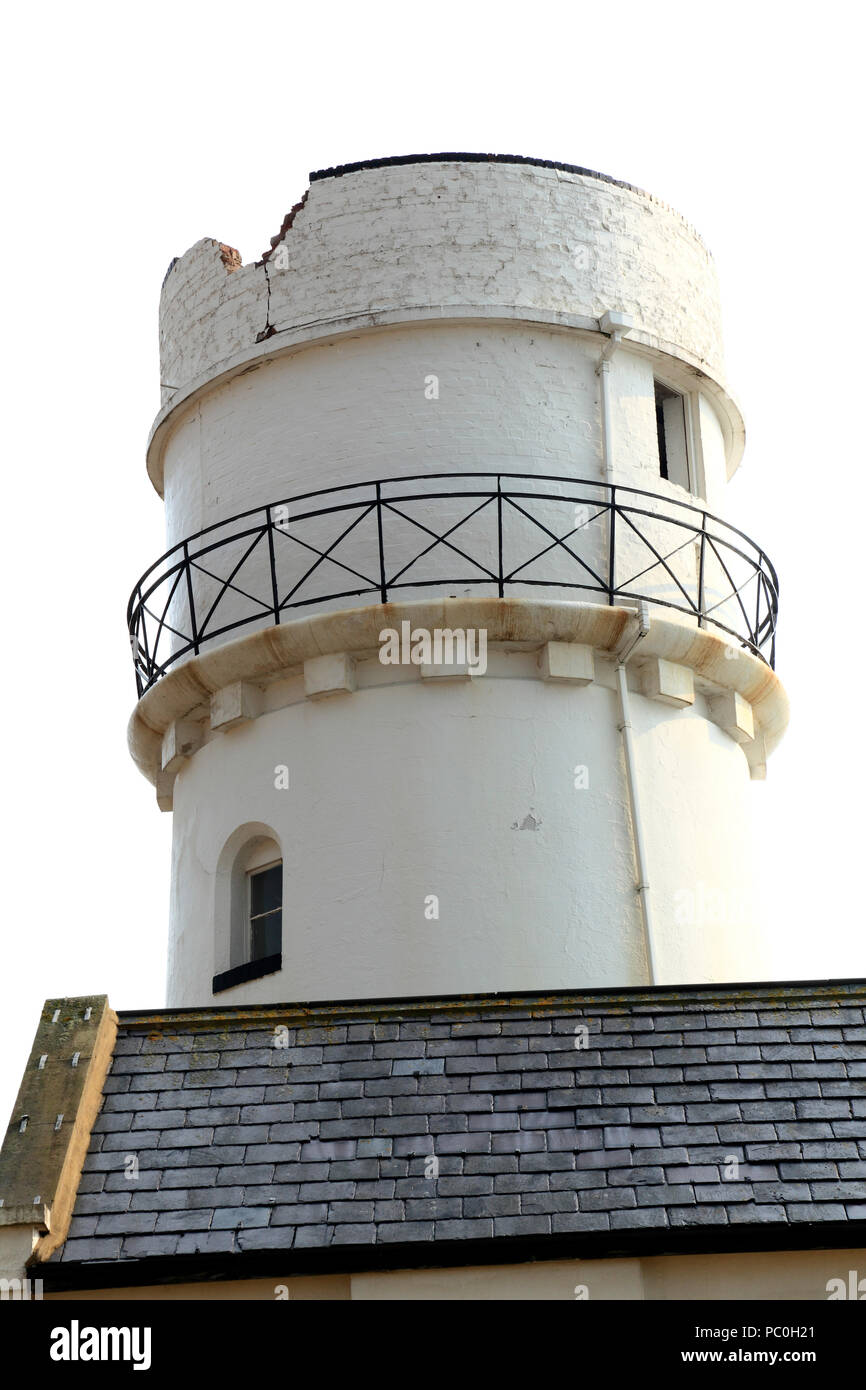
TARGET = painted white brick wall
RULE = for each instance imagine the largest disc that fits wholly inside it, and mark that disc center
(357, 409)
(458, 234)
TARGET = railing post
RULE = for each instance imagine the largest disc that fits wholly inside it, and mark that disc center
(133, 625)
(383, 591)
(191, 598)
(499, 532)
(759, 573)
(611, 546)
(701, 570)
(274, 590)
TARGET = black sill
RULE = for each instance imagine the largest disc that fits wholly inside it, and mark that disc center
(252, 970)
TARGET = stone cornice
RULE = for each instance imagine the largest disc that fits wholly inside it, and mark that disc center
(271, 653)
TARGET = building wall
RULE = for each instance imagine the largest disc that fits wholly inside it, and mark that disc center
(795, 1275)
(488, 279)
(517, 237)
(510, 398)
(466, 791)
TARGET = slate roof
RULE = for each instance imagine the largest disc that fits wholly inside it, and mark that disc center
(305, 1133)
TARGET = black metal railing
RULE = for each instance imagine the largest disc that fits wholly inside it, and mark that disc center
(607, 539)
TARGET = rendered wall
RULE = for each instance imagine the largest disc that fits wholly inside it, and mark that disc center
(796, 1275)
(509, 398)
(466, 791)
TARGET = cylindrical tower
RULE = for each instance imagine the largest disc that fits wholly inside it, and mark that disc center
(481, 397)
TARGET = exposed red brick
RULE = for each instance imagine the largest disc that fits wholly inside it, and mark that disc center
(230, 258)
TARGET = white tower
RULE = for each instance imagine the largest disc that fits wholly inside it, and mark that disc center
(488, 394)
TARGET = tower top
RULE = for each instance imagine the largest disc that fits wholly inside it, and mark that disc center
(396, 160)
(417, 239)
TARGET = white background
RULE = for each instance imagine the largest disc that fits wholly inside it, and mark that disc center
(132, 131)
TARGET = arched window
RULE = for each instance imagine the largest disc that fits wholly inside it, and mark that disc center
(249, 908)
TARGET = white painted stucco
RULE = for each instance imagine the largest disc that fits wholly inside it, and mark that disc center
(466, 791)
(511, 398)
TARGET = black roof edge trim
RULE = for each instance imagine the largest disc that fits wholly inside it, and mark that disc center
(69, 1276)
(465, 157)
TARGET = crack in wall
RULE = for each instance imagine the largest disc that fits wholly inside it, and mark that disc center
(268, 330)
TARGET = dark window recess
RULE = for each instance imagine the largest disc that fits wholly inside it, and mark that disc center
(252, 970)
(660, 430)
(671, 431)
(266, 912)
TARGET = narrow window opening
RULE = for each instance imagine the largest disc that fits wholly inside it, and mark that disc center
(265, 911)
(672, 436)
(249, 908)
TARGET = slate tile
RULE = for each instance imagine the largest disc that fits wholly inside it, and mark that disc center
(391, 1232)
(478, 1229)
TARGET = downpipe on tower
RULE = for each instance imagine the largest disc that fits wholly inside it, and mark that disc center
(616, 325)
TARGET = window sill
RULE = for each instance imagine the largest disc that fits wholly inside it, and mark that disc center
(251, 970)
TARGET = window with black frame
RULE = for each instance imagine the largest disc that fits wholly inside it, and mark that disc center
(266, 911)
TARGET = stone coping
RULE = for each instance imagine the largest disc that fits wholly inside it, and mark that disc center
(269, 653)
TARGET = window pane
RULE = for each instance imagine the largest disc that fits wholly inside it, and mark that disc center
(660, 429)
(675, 440)
(267, 935)
(671, 427)
(266, 890)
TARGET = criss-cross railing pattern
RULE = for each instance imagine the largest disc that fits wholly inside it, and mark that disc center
(497, 533)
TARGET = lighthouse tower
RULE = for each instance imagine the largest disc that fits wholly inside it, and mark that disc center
(456, 670)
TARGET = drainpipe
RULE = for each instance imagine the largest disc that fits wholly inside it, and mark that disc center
(616, 326)
(640, 847)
